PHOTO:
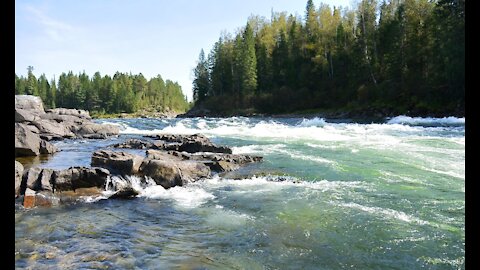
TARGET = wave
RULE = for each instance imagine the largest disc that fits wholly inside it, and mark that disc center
(385, 212)
(314, 122)
(427, 121)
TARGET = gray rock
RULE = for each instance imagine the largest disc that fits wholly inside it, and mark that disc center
(190, 143)
(170, 171)
(54, 128)
(135, 144)
(28, 102)
(38, 179)
(47, 148)
(71, 112)
(117, 162)
(79, 177)
(27, 143)
(22, 115)
(18, 177)
(163, 172)
(93, 130)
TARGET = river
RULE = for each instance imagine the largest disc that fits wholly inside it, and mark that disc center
(329, 194)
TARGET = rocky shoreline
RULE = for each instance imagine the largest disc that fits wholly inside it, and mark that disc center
(169, 160)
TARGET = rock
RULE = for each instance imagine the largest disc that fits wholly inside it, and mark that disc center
(43, 199)
(117, 162)
(63, 118)
(163, 172)
(72, 112)
(191, 143)
(171, 171)
(47, 148)
(18, 177)
(135, 144)
(222, 166)
(79, 177)
(27, 143)
(22, 115)
(95, 131)
(38, 179)
(124, 193)
(54, 128)
(30, 103)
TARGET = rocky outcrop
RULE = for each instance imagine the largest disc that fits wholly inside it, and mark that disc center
(117, 162)
(29, 103)
(55, 124)
(48, 180)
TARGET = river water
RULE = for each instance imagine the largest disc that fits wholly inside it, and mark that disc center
(328, 195)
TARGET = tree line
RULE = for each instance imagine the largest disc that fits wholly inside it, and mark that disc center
(397, 55)
(122, 93)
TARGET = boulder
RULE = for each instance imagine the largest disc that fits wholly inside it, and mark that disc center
(47, 148)
(43, 199)
(117, 162)
(38, 179)
(18, 177)
(27, 143)
(163, 172)
(171, 171)
(222, 166)
(54, 128)
(79, 177)
(30, 103)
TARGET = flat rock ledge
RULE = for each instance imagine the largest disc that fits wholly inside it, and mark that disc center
(35, 126)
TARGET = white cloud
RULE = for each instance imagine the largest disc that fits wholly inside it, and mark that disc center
(55, 29)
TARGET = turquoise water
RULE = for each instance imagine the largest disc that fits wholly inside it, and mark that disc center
(328, 195)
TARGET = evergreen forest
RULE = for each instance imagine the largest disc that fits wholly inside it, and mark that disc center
(397, 56)
(122, 93)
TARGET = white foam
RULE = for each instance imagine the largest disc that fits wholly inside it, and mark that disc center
(402, 119)
(385, 212)
(190, 196)
(315, 122)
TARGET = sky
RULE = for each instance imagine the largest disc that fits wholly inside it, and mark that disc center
(139, 36)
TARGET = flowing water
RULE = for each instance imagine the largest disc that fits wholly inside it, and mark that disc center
(328, 195)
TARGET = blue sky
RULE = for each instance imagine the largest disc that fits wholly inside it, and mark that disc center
(148, 36)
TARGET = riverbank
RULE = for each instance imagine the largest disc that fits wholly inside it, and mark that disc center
(361, 114)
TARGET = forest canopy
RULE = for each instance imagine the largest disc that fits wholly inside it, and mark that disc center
(122, 93)
(396, 56)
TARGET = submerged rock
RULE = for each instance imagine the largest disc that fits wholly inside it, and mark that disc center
(124, 193)
(43, 199)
